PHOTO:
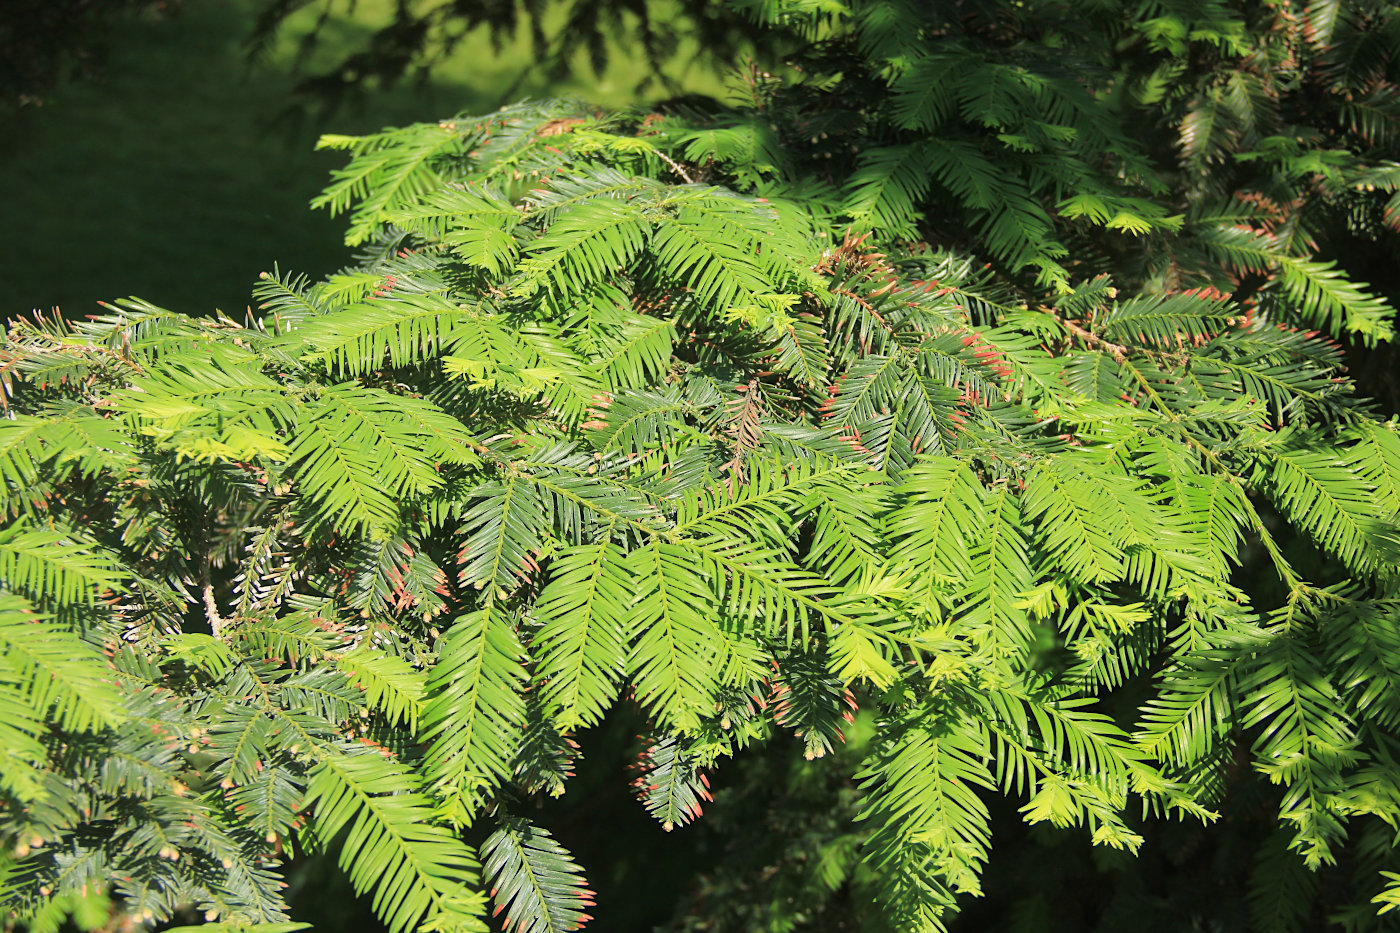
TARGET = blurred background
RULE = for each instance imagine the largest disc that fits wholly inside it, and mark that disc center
(165, 149)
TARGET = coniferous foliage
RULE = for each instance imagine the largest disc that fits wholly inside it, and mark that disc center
(1232, 141)
(612, 408)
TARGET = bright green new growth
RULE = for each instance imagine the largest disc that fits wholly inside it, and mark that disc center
(580, 426)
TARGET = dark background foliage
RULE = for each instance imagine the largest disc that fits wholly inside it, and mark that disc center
(43, 42)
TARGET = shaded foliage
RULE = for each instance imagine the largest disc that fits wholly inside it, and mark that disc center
(563, 37)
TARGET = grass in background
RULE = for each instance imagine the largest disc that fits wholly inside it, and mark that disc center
(179, 173)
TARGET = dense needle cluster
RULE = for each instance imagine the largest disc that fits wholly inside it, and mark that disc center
(611, 410)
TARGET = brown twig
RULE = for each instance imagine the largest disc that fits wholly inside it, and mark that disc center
(211, 607)
(1119, 353)
(676, 167)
